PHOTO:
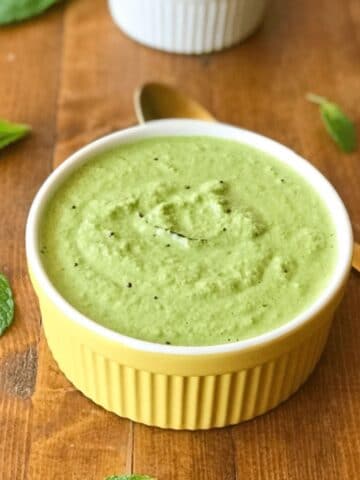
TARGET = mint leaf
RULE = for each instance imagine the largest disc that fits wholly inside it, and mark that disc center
(11, 132)
(6, 304)
(16, 10)
(130, 477)
(340, 128)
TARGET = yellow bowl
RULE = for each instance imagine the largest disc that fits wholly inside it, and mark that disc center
(187, 387)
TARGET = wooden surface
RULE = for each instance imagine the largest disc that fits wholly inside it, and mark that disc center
(71, 74)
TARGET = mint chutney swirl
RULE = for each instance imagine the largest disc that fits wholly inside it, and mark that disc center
(188, 241)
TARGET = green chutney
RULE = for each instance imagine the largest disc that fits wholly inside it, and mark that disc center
(188, 241)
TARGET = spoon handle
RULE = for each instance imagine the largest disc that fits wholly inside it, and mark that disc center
(356, 257)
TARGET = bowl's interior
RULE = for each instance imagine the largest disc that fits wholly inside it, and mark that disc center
(190, 128)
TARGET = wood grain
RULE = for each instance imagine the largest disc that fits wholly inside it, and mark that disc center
(71, 74)
(28, 94)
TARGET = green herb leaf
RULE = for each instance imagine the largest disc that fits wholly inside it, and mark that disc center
(6, 304)
(130, 477)
(16, 10)
(338, 125)
(11, 132)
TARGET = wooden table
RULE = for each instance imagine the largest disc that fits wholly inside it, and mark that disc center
(71, 74)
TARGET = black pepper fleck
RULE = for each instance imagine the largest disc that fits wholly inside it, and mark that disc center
(155, 298)
(73, 207)
(111, 234)
(156, 159)
(224, 229)
(141, 215)
(168, 245)
(129, 285)
(187, 187)
(282, 180)
(168, 343)
(221, 181)
(76, 264)
(228, 210)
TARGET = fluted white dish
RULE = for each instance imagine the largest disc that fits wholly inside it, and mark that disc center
(188, 26)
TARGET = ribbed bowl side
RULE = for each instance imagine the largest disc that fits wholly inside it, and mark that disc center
(187, 26)
(188, 402)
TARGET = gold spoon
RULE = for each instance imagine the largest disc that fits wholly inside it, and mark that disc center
(155, 101)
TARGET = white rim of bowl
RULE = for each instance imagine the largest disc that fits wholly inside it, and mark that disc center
(184, 127)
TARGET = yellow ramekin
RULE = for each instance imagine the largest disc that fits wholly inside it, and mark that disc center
(187, 387)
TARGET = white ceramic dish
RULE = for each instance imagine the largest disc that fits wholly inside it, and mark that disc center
(188, 26)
